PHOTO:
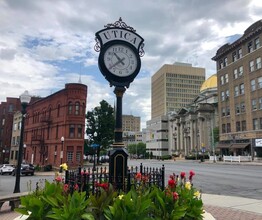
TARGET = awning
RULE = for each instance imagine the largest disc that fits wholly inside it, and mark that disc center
(221, 145)
(239, 145)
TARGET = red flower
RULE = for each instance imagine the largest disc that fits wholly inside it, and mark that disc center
(171, 183)
(105, 186)
(138, 176)
(182, 175)
(171, 177)
(191, 174)
(175, 195)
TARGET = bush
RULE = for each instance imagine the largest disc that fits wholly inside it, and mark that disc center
(166, 157)
(48, 167)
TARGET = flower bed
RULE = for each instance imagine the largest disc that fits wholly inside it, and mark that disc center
(179, 200)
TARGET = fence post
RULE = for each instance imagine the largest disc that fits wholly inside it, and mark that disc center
(128, 180)
(141, 168)
(66, 176)
(163, 177)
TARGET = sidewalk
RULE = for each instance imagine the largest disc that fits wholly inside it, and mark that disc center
(220, 207)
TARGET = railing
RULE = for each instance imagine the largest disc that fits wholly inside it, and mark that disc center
(211, 158)
(90, 181)
(237, 158)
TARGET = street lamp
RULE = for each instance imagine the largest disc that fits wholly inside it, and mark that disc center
(3, 156)
(94, 147)
(62, 149)
(24, 150)
(24, 99)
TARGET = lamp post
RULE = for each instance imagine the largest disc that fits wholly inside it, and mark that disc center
(24, 151)
(3, 156)
(24, 99)
(62, 149)
(94, 147)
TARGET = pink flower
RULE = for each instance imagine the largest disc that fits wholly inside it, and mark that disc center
(58, 179)
(66, 187)
(138, 176)
(76, 187)
(175, 196)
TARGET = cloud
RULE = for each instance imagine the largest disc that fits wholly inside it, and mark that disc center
(45, 44)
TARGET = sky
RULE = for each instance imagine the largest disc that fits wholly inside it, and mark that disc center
(46, 44)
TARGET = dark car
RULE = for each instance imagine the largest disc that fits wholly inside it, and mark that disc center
(26, 169)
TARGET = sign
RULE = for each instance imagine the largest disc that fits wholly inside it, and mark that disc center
(258, 142)
(94, 145)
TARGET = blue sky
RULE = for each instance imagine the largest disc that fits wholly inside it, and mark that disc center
(46, 44)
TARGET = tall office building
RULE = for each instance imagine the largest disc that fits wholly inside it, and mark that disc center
(239, 76)
(130, 123)
(174, 86)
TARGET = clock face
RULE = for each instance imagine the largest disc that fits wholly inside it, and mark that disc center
(120, 60)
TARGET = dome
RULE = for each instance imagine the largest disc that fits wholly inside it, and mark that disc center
(210, 83)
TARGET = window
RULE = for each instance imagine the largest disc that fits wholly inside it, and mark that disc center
(11, 108)
(83, 109)
(242, 89)
(237, 108)
(228, 127)
(78, 156)
(235, 73)
(249, 47)
(227, 94)
(221, 65)
(257, 43)
(240, 71)
(58, 110)
(244, 125)
(79, 131)
(223, 112)
(228, 110)
(253, 85)
(77, 108)
(258, 63)
(226, 78)
(223, 96)
(251, 66)
(239, 53)
(260, 103)
(223, 128)
(70, 156)
(254, 104)
(236, 91)
(70, 107)
(238, 126)
(243, 107)
(72, 131)
(222, 80)
(225, 61)
(234, 56)
(255, 124)
(15, 126)
(259, 81)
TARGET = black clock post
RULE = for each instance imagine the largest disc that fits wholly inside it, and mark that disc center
(119, 61)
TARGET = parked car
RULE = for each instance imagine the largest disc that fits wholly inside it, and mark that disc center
(6, 168)
(26, 169)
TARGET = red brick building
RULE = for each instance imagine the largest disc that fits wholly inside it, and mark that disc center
(7, 110)
(61, 114)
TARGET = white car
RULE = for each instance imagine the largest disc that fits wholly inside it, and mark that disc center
(6, 168)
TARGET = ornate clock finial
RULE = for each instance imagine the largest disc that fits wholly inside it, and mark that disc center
(120, 24)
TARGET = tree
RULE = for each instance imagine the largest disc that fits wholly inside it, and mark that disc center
(100, 120)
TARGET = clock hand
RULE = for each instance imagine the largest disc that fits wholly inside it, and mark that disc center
(119, 59)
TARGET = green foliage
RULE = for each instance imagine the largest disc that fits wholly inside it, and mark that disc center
(101, 120)
(179, 200)
(216, 134)
(138, 149)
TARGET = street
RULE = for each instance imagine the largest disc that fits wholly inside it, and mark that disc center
(234, 179)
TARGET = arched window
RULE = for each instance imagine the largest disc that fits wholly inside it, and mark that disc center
(77, 108)
(58, 110)
(70, 107)
(83, 109)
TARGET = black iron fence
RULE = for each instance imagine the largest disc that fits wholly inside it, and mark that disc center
(90, 181)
